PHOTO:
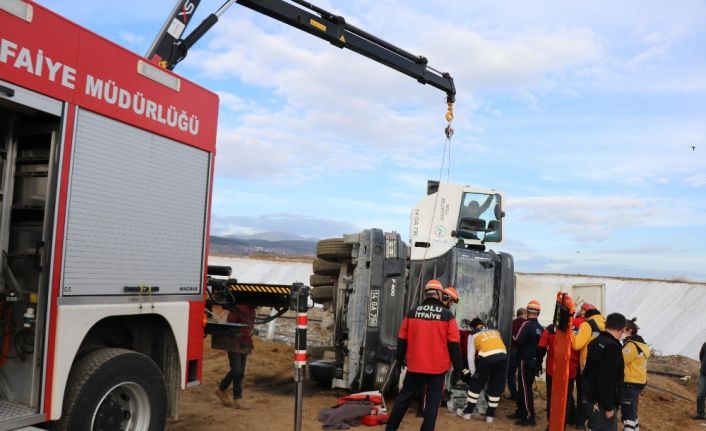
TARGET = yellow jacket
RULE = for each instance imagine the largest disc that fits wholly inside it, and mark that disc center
(484, 343)
(635, 354)
(580, 340)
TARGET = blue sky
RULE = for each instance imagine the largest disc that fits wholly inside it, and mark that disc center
(581, 112)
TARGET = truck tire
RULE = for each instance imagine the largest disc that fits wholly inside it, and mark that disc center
(333, 250)
(316, 280)
(324, 267)
(114, 389)
(322, 372)
(322, 294)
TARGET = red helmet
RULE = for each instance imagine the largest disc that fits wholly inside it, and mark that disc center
(434, 285)
(534, 305)
(586, 306)
(452, 293)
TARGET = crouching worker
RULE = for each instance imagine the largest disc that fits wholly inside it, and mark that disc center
(429, 341)
(238, 342)
(487, 361)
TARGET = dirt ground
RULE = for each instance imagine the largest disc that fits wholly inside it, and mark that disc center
(269, 389)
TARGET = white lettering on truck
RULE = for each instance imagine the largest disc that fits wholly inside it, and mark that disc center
(106, 91)
(22, 58)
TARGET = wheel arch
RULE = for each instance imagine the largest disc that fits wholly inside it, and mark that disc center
(160, 335)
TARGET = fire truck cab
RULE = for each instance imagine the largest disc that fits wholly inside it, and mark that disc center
(106, 167)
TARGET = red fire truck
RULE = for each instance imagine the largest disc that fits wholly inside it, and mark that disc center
(106, 165)
(106, 169)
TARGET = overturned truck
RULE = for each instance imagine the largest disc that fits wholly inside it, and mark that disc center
(369, 280)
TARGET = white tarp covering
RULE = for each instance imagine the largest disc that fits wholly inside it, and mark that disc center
(671, 314)
(264, 271)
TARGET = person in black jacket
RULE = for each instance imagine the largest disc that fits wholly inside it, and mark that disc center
(701, 391)
(527, 339)
(604, 375)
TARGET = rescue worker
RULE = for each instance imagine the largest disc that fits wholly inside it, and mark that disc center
(527, 350)
(512, 369)
(487, 361)
(449, 297)
(429, 341)
(701, 388)
(635, 355)
(547, 345)
(240, 344)
(593, 324)
(604, 374)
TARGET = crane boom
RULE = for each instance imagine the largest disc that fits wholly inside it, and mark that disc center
(169, 48)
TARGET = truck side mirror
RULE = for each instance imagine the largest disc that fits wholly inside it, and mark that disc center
(498, 212)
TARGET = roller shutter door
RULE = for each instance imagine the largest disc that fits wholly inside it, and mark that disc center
(136, 211)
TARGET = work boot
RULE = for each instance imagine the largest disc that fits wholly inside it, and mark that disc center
(698, 417)
(515, 415)
(223, 396)
(465, 413)
(240, 405)
(524, 422)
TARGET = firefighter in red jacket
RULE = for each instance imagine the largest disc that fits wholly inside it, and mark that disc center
(487, 361)
(429, 341)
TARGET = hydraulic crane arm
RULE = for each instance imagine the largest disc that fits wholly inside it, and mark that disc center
(169, 49)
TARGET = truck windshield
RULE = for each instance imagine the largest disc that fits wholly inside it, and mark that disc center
(479, 217)
(474, 277)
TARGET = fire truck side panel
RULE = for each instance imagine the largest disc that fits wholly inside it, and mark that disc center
(136, 212)
(122, 228)
(74, 322)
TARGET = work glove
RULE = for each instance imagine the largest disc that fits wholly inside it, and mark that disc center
(466, 376)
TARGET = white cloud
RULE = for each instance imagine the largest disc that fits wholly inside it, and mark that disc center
(132, 39)
(697, 180)
(589, 218)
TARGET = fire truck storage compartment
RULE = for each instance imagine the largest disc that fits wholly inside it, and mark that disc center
(137, 211)
(29, 141)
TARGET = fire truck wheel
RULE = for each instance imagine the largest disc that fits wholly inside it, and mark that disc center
(316, 280)
(333, 249)
(111, 389)
(322, 294)
(324, 267)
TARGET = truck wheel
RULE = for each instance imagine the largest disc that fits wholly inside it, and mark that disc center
(324, 267)
(114, 389)
(333, 249)
(320, 280)
(322, 294)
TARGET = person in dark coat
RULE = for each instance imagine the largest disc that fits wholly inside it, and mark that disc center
(604, 375)
(701, 390)
(512, 357)
(239, 345)
(527, 340)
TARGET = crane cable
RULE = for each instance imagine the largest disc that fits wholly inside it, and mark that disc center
(449, 132)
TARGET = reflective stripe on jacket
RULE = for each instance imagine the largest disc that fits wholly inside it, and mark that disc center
(428, 330)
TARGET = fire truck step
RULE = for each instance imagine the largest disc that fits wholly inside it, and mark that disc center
(10, 410)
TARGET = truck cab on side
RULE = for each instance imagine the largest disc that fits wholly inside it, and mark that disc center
(371, 279)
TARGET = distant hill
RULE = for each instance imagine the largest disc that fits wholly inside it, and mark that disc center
(253, 246)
